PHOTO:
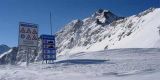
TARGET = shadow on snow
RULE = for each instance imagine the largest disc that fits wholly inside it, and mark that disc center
(82, 61)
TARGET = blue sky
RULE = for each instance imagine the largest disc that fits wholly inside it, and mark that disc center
(63, 11)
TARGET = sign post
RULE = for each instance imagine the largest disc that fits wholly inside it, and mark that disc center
(28, 38)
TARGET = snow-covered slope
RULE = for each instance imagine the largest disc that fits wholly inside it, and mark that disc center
(5, 53)
(105, 30)
(9, 57)
(118, 64)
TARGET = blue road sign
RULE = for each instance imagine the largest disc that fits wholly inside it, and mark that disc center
(48, 46)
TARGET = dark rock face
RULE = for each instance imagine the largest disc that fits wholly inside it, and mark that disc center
(98, 22)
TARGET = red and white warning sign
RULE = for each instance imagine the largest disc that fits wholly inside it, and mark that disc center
(28, 34)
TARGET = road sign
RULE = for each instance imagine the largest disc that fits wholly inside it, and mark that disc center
(28, 34)
(28, 39)
(48, 47)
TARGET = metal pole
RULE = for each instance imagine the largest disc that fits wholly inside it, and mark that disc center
(51, 22)
(27, 56)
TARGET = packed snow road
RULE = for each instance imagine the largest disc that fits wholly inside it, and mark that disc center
(118, 64)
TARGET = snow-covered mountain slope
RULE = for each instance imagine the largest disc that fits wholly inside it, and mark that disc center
(118, 64)
(3, 48)
(99, 32)
(84, 32)
(12, 56)
(9, 57)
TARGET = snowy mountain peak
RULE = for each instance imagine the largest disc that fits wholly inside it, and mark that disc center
(3, 45)
(3, 48)
(100, 12)
(104, 16)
